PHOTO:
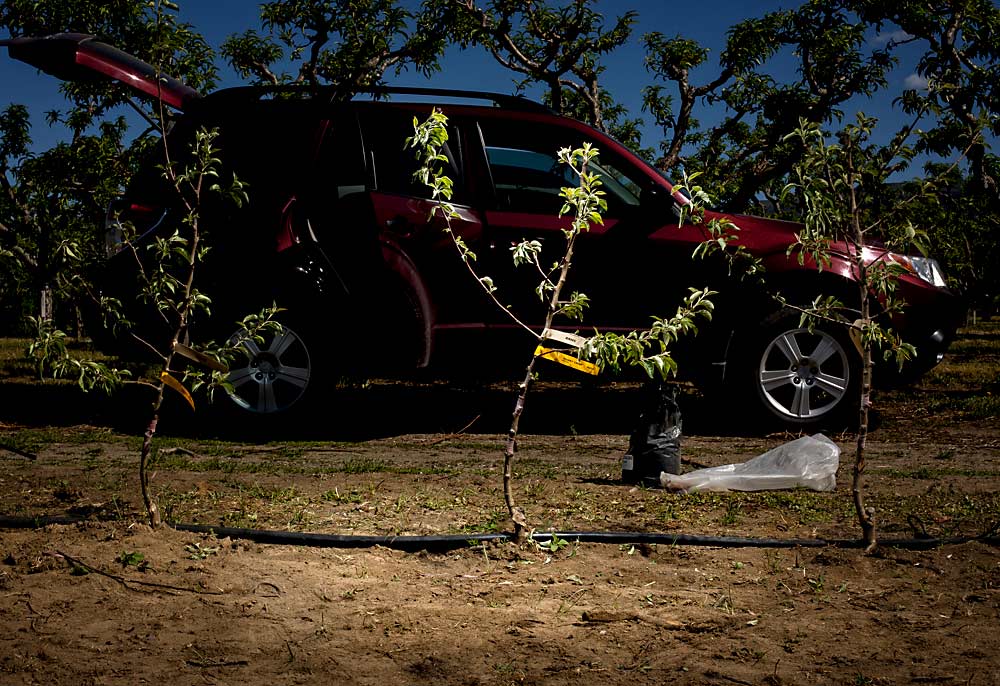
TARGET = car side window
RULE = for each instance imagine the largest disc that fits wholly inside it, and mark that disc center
(528, 176)
(391, 165)
(341, 169)
(526, 180)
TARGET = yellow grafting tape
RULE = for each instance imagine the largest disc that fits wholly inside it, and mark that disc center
(567, 360)
(177, 386)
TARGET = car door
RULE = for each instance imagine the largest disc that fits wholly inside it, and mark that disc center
(409, 228)
(637, 264)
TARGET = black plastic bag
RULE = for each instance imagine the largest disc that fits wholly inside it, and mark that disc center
(655, 444)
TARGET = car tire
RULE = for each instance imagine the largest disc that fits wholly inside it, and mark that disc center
(273, 376)
(291, 379)
(797, 378)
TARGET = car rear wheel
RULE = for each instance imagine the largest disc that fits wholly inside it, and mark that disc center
(273, 375)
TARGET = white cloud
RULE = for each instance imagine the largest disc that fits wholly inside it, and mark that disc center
(886, 36)
(915, 82)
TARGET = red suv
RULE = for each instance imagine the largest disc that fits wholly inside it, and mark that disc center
(338, 233)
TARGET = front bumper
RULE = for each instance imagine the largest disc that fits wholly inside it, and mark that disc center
(929, 321)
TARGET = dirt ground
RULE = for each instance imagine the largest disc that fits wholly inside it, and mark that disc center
(109, 601)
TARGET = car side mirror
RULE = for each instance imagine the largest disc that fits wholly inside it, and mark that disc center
(657, 206)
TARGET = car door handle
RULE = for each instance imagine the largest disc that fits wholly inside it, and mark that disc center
(399, 224)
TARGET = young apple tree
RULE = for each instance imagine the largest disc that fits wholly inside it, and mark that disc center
(843, 187)
(582, 204)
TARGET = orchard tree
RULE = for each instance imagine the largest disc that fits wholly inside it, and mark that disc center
(843, 186)
(52, 201)
(558, 45)
(614, 116)
(50, 205)
(957, 102)
(962, 73)
(748, 153)
(44, 188)
(963, 229)
(350, 44)
(583, 205)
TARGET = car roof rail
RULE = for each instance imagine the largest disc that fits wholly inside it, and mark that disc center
(513, 102)
(244, 94)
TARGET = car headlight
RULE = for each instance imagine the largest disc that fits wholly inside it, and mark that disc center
(926, 268)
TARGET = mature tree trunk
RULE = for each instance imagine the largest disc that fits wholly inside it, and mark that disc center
(45, 303)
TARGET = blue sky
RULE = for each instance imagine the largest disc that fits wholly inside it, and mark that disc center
(705, 22)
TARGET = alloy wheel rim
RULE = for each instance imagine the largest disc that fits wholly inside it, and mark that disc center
(273, 376)
(804, 375)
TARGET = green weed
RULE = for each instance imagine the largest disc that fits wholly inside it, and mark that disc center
(133, 559)
(495, 522)
(196, 551)
(553, 545)
(733, 511)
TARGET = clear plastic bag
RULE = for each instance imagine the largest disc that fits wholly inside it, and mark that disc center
(807, 462)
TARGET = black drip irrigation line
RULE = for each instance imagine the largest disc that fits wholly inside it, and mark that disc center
(456, 541)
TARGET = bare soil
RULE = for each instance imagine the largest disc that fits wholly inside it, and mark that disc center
(109, 601)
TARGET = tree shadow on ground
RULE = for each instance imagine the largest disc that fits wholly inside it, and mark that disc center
(375, 410)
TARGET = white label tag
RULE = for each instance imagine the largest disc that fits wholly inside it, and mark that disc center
(564, 337)
(628, 463)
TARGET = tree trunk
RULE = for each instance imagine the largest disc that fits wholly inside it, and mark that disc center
(152, 509)
(865, 515)
(517, 515)
(45, 303)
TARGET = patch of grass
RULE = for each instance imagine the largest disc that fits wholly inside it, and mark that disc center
(808, 507)
(364, 465)
(26, 441)
(335, 496)
(471, 446)
(300, 519)
(928, 473)
(945, 512)
(278, 466)
(533, 490)
(982, 407)
(667, 512)
(32, 440)
(13, 362)
(435, 504)
(393, 469)
(732, 514)
(496, 521)
(976, 344)
(240, 519)
(273, 496)
(196, 551)
(172, 502)
(971, 373)
(534, 467)
(186, 463)
(971, 407)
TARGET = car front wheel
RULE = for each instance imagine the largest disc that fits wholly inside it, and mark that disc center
(803, 378)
